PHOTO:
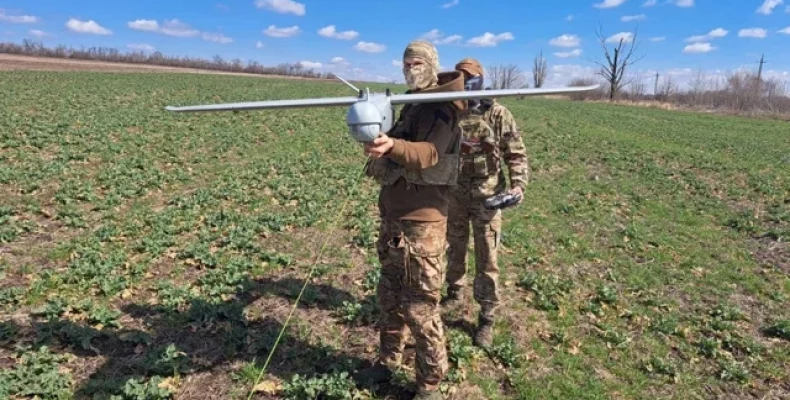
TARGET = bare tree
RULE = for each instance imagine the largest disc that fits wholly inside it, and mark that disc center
(667, 89)
(31, 48)
(698, 88)
(637, 88)
(539, 68)
(617, 61)
(506, 76)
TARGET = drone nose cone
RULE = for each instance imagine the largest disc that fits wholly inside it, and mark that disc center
(364, 121)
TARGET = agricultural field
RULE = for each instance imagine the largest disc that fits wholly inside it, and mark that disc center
(150, 255)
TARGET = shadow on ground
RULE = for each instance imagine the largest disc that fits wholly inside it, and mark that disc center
(208, 337)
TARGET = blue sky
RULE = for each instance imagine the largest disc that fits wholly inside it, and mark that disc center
(363, 39)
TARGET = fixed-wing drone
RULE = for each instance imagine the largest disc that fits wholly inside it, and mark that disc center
(371, 114)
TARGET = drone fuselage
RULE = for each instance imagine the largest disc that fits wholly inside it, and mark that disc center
(369, 116)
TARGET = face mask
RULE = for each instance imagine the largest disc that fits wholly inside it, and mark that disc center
(473, 83)
(418, 77)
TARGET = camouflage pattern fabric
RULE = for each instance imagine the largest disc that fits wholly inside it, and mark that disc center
(486, 228)
(511, 145)
(424, 75)
(413, 267)
(490, 137)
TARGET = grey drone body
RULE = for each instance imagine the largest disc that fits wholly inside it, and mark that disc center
(370, 114)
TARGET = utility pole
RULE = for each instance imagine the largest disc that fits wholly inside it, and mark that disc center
(655, 88)
(760, 70)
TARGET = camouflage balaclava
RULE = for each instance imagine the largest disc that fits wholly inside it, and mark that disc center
(425, 75)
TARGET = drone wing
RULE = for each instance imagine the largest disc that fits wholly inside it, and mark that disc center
(268, 104)
(482, 94)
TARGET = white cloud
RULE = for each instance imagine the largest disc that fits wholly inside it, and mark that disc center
(569, 18)
(716, 33)
(658, 39)
(143, 25)
(339, 61)
(259, 45)
(362, 75)
(450, 39)
(562, 74)
(679, 3)
(768, 6)
(565, 41)
(629, 18)
(91, 27)
(753, 33)
(176, 28)
(786, 31)
(452, 3)
(171, 27)
(609, 3)
(38, 33)
(331, 32)
(282, 6)
(216, 38)
(569, 54)
(701, 47)
(18, 19)
(310, 64)
(436, 37)
(274, 31)
(397, 63)
(488, 39)
(370, 47)
(141, 47)
(626, 37)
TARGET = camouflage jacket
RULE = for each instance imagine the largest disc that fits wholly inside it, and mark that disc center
(490, 138)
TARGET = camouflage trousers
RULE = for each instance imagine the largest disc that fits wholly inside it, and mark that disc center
(486, 228)
(413, 265)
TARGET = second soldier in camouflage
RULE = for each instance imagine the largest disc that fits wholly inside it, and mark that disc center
(490, 137)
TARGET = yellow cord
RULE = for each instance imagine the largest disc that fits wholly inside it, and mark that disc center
(304, 286)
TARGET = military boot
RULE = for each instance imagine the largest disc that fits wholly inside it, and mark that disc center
(454, 297)
(431, 395)
(484, 334)
(378, 373)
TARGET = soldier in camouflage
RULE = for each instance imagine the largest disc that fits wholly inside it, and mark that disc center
(415, 163)
(490, 137)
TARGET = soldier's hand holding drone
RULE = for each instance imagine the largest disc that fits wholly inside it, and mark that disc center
(379, 147)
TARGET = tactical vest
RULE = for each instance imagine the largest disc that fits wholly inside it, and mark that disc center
(444, 173)
(480, 147)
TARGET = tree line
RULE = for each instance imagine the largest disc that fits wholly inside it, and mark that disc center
(741, 92)
(32, 48)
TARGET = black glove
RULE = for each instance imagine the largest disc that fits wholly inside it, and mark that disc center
(502, 200)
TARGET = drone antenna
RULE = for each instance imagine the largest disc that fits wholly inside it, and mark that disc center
(346, 82)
